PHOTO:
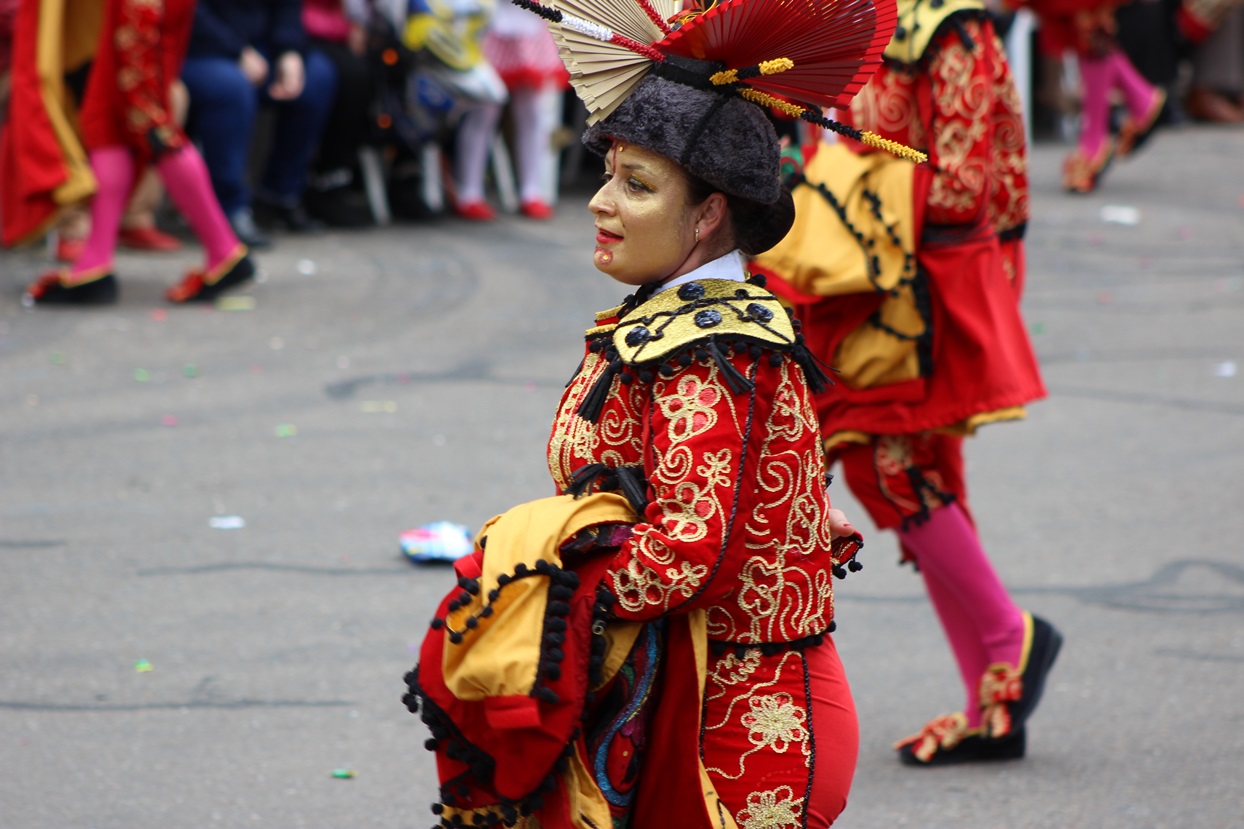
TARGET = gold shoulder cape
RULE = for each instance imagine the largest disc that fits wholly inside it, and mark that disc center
(696, 311)
(918, 21)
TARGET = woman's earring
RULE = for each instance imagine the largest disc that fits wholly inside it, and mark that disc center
(697, 234)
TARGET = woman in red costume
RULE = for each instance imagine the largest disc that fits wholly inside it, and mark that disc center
(682, 583)
(1087, 28)
(127, 124)
(908, 280)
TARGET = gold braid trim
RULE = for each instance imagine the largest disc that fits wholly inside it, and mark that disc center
(869, 138)
(765, 99)
(893, 147)
(768, 67)
(773, 67)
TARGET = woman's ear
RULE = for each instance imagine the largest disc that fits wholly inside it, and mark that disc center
(711, 214)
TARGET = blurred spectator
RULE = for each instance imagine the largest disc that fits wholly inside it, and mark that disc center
(127, 123)
(520, 47)
(449, 35)
(244, 53)
(1216, 93)
(338, 30)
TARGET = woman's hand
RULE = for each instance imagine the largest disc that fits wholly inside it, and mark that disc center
(254, 66)
(290, 77)
(838, 524)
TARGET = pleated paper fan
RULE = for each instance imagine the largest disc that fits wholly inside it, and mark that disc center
(593, 36)
(629, 18)
(794, 56)
(602, 74)
(835, 45)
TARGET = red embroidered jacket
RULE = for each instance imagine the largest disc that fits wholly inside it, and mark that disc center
(956, 100)
(945, 88)
(698, 390)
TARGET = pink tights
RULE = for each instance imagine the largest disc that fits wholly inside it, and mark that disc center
(1099, 77)
(981, 622)
(185, 177)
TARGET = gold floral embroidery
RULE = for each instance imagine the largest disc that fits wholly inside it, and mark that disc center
(732, 669)
(617, 440)
(764, 707)
(690, 408)
(1009, 207)
(778, 597)
(887, 106)
(773, 809)
(774, 722)
(637, 586)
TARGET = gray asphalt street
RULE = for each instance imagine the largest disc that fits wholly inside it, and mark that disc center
(159, 668)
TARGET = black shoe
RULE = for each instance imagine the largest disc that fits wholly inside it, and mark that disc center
(196, 287)
(1008, 706)
(49, 290)
(243, 223)
(948, 741)
(291, 217)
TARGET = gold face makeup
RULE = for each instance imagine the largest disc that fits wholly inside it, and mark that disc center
(645, 229)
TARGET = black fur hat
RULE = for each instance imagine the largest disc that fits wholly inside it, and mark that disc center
(718, 137)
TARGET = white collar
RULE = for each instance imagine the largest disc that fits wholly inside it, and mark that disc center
(729, 266)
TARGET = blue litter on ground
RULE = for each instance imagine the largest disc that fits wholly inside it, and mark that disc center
(438, 541)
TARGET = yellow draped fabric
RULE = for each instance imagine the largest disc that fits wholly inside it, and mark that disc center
(500, 657)
(68, 34)
(825, 254)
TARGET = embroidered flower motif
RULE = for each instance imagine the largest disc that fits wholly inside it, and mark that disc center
(941, 733)
(1001, 686)
(690, 408)
(732, 669)
(893, 454)
(774, 722)
(771, 810)
(639, 586)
